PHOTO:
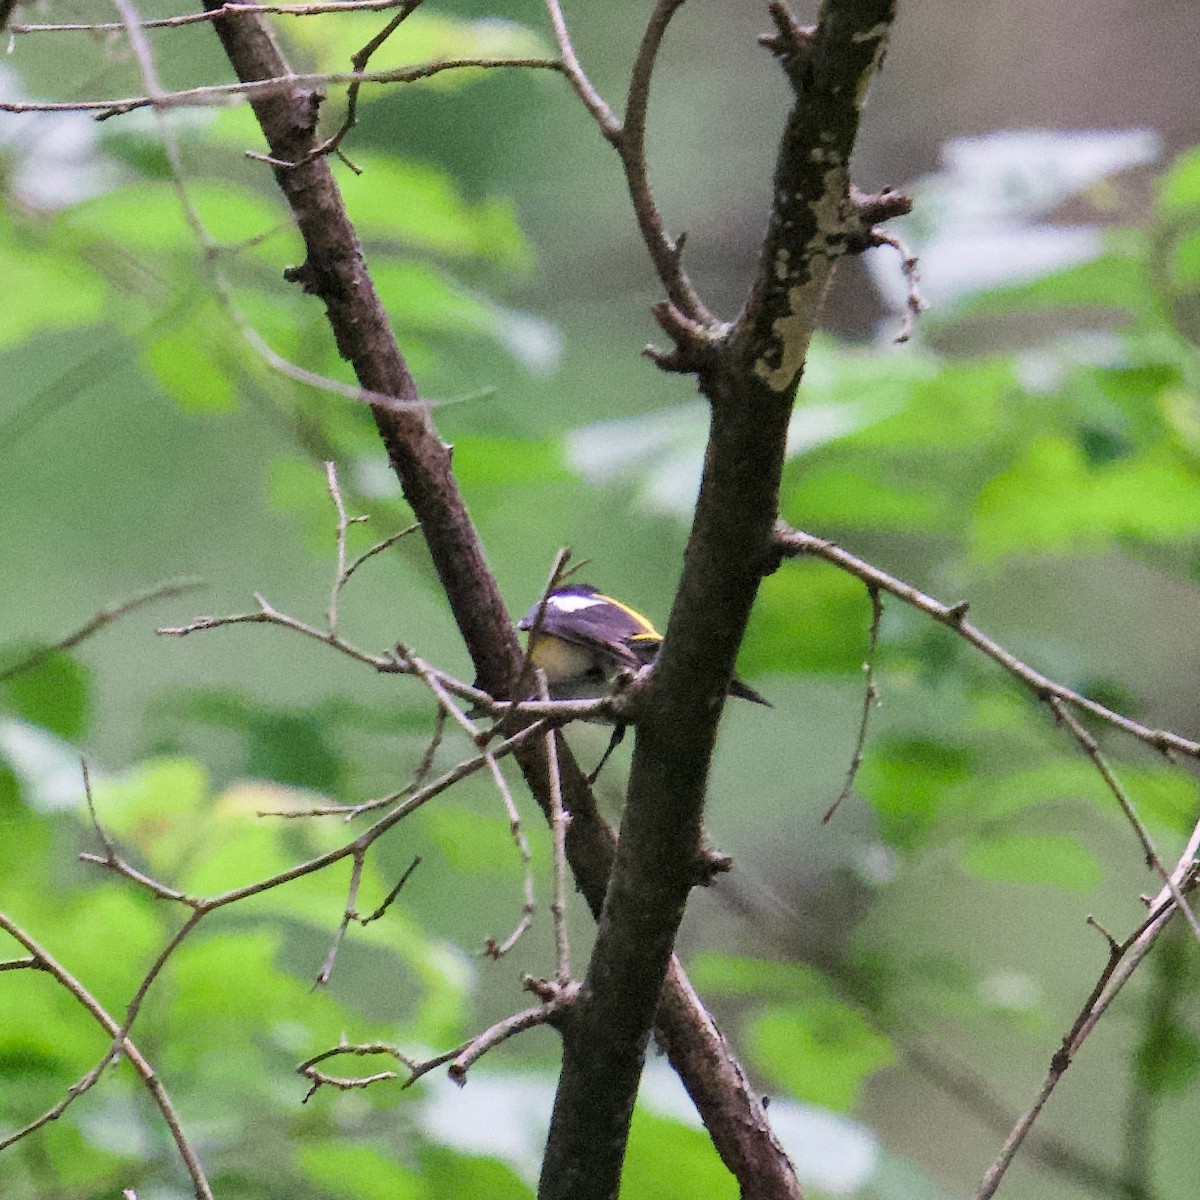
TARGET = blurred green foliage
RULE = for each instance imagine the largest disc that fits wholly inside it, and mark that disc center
(972, 817)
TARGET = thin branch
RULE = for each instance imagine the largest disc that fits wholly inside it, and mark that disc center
(558, 831)
(870, 696)
(794, 544)
(358, 60)
(665, 252)
(610, 126)
(913, 304)
(107, 616)
(348, 1083)
(1123, 959)
(559, 711)
(555, 1000)
(223, 93)
(343, 523)
(403, 809)
(558, 572)
(145, 1071)
(349, 913)
(1092, 750)
(291, 10)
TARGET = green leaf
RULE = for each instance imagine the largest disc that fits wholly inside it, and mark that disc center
(1050, 499)
(908, 780)
(1029, 858)
(1179, 187)
(845, 496)
(819, 1049)
(1115, 279)
(54, 694)
(672, 1161)
(1168, 1060)
(191, 366)
(48, 288)
(357, 1172)
(738, 975)
(448, 1173)
(422, 38)
(149, 216)
(418, 205)
(425, 300)
(807, 618)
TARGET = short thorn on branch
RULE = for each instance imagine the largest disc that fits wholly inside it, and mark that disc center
(791, 42)
(695, 344)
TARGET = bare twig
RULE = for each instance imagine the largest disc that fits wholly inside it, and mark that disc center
(610, 126)
(558, 711)
(350, 911)
(401, 810)
(793, 544)
(628, 137)
(558, 831)
(320, 1079)
(665, 252)
(291, 10)
(358, 60)
(145, 1071)
(343, 523)
(224, 93)
(557, 573)
(1092, 750)
(107, 616)
(555, 998)
(1105, 988)
(870, 695)
(908, 267)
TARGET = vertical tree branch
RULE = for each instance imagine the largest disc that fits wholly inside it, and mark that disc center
(749, 375)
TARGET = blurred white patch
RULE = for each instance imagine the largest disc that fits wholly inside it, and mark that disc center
(56, 156)
(662, 453)
(1045, 369)
(976, 223)
(1011, 989)
(833, 1154)
(876, 864)
(499, 1116)
(374, 478)
(532, 340)
(48, 769)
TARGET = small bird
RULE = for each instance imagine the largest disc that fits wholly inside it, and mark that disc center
(586, 638)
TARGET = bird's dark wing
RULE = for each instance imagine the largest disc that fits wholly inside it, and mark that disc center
(597, 623)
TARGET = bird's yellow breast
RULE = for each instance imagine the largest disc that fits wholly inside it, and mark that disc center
(561, 660)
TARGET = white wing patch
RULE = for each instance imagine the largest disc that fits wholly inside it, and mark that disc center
(571, 604)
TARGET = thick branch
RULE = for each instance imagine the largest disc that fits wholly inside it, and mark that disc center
(749, 376)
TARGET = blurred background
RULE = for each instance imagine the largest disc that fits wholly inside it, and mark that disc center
(897, 979)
